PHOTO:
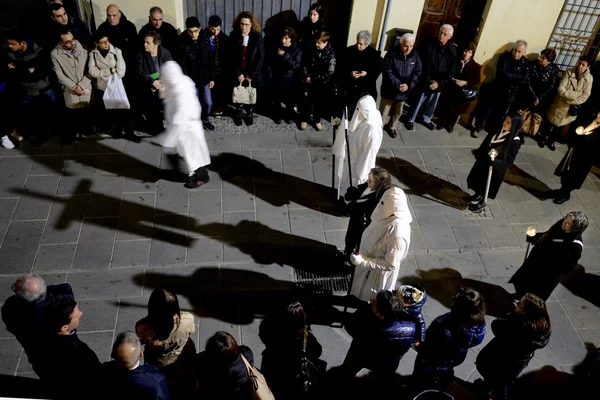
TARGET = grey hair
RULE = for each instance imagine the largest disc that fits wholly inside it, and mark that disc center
(407, 37)
(449, 27)
(156, 9)
(31, 288)
(521, 41)
(580, 221)
(365, 36)
(127, 338)
(383, 180)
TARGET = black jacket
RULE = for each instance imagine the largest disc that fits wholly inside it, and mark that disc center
(254, 56)
(511, 76)
(577, 163)
(146, 382)
(285, 70)
(146, 67)
(398, 69)
(123, 36)
(221, 58)
(320, 67)
(26, 83)
(197, 59)
(79, 30)
(169, 37)
(439, 63)
(224, 381)
(367, 60)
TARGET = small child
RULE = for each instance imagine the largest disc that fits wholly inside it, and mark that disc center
(413, 297)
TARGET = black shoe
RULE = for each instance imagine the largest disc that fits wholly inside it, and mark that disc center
(551, 146)
(237, 121)
(541, 143)
(429, 125)
(390, 131)
(476, 208)
(450, 128)
(208, 126)
(561, 198)
(132, 137)
(439, 126)
(410, 126)
(475, 198)
(248, 120)
(475, 133)
(193, 182)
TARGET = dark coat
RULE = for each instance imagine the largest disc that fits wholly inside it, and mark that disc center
(447, 343)
(577, 163)
(377, 344)
(76, 26)
(255, 56)
(368, 60)
(197, 59)
(399, 69)
(146, 382)
(229, 382)
(470, 72)
(555, 256)
(222, 64)
(542, 86)
(30, 84)
(511, 77)
(169, 37)
(320, 67)
(509, 352)
(507, 147)
(124, 37)
(439, 64)
(26, 321)
(307, 34)
(361, 208)
(284, 71)
(74, 367)
(145, 66)
(415, 313)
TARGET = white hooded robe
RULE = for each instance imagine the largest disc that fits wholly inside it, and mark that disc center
(384, 245)
(182, 111)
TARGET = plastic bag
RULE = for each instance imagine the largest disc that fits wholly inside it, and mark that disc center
(114, 95)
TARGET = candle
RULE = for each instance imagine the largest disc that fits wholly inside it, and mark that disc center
(531, 231)
(493, 153)
(579, 130)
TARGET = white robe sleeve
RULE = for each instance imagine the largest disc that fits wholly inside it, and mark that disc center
(396, 249)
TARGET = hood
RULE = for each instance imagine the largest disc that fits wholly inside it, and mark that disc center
(366, 109)
(173, 79)
(392, 203)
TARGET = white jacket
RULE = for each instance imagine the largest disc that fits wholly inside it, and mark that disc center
(182, 112)
(384, 245)
(99, 66)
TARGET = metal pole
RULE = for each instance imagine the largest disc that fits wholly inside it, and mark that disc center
(527, 251)
(385, 22)
(347, 144)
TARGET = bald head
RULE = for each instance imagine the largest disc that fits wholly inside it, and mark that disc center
(127, 350)
(113, 14)
(31, 288)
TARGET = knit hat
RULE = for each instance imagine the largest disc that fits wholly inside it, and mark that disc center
(192, 22)
(410, 295)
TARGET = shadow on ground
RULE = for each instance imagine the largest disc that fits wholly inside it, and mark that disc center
(528, 182)
(584, 285)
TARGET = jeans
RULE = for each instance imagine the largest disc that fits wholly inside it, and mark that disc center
(37, 112)
(428, 100)
(205, 100)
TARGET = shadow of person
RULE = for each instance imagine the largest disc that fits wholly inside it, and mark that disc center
(423, 184)
(530, 183)
(275, 188)
(583, 284)
(22, 387)
(137, 219)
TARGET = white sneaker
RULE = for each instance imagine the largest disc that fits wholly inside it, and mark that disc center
(6, 143)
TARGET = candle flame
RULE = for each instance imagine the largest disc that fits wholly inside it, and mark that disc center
(531, 231)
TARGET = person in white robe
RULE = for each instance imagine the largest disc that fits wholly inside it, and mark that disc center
(184, 133)
(365, 134)
(384, 245)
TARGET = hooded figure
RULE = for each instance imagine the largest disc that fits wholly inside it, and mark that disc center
(365, 134)
(184, 129)
(384, 245)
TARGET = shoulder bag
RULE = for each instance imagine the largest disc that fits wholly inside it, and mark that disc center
(469, 93)
(244, 95)
(260, 389)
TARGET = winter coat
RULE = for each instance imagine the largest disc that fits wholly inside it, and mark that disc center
(577, 163)
(25, 320)
(543, 82)
(378, 344)
(30, 83)
(80, 32)
(162, 352)
(367, 60)
(71, 71)
(307, 34)
(320, 67)
(99, 67)
(511, 77)
(182, 113)
(124, 37)
(222, 64)
(145, 382)
(168, 34)
(285, 70)
(439, 64)
(570, 92)
(414, 312)
(398, 69)
(197, 59)
(509, 352)
(254, 56)
(216, 381)
(146, 67)
(385, 243)
(508, 147)
(549, 260)
(469, 72)
(447, 343)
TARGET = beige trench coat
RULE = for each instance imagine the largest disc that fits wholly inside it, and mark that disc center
(569, 92)
(99, 66)
(70, 69)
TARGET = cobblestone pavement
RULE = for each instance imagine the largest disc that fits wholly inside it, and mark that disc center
(102, 216)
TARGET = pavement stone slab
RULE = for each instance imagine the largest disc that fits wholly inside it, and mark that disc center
(565, 342)
(470, 238)
(97, 285)
(435, 229)
(135, 253)
(10, 354)
(54, 257)
(65, 219)
(93, 256)
(20, 246)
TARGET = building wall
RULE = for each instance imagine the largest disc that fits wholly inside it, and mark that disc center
(137, 11)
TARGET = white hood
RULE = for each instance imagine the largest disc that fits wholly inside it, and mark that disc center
(366, 109)
(393, 202)
(173, 80)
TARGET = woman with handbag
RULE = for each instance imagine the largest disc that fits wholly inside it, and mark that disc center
(248, 57)
(461, 90)
(104, 61)
(574, 89)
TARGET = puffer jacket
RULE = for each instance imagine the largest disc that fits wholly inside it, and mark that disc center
(284, 70)
(570, 92)
(447, 343)
(398, 69)
(71, 71)
(30, 83)
(100, 66)
(321, 67)
(542, 83)
(414, 313)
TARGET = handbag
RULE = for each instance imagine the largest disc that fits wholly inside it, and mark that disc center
(574, 109)
(260, 389)
(531, 122)
(469, 93)
(244, 95)
(115, 97)
(309, 378)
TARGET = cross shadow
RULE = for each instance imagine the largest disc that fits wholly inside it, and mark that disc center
(423, 184)
(583, 284)
(442, 284)
(528, 182)
(275, 188)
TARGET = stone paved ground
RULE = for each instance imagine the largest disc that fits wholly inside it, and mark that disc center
(101, 216)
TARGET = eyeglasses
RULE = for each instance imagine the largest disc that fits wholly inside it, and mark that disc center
(14, 288)
(69, 41)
